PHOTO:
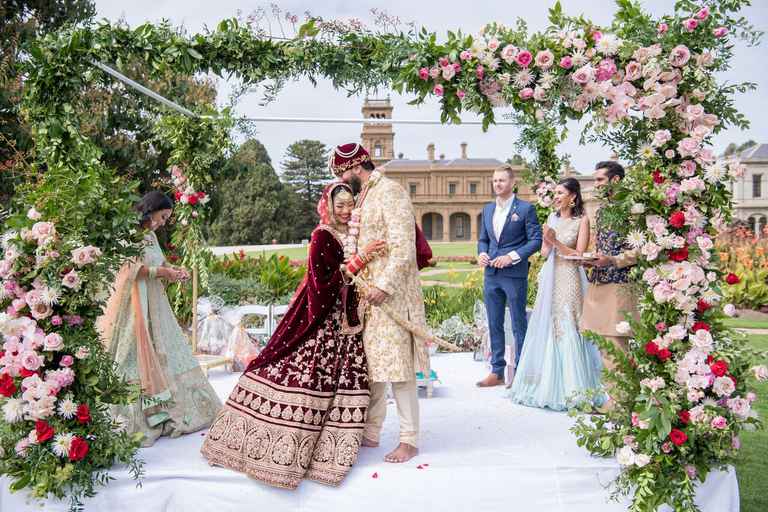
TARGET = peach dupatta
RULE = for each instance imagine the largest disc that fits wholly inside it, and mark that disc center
(126, 300)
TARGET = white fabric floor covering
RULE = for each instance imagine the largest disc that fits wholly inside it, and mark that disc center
(483, 454)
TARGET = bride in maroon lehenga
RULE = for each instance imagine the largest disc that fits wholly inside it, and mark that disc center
(299, 409)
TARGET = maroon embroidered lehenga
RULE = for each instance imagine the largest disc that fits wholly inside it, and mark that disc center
(298, 410)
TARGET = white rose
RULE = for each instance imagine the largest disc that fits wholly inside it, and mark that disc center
(623, 327)
(625, 456)
(637, 209)
(729, 310)
(760, 372)
(642, 459)
(33, 214)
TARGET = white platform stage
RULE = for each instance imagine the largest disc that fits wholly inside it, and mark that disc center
(479, 453)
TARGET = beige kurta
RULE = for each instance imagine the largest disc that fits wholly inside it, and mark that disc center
(387, 214)
(606, 304)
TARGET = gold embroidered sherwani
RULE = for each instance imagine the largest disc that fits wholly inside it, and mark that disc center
(387, 214)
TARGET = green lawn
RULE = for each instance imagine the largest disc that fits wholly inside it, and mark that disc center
(752, 468)
(438, 249)
(743, 323)
(450, 277)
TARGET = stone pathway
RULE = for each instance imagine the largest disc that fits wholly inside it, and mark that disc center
(752, 331)
(438, 271)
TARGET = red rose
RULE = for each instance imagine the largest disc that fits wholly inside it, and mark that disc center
(7, 387)
(679, 254)
(698, 326)
(710, 359)
(677, 219)
(44, 431)
(26, 373)
(651, 348)
(83, 414)
(664, 354)
(702, 306)
(657, 177)
(192, 200)
(719, 368)
(732, 279)
(685, 417)
(177, 195)
(201, 195)
(174, 258)
(678, 437)
(78, 449)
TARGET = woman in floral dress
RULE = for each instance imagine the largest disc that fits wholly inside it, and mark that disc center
(298, 410)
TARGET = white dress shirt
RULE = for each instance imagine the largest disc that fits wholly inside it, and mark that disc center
(500, 215)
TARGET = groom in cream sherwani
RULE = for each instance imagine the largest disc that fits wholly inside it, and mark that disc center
(394, 354)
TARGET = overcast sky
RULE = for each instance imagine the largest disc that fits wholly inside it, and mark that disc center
(300, 99)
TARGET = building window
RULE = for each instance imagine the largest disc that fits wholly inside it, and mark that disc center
(473, 188)
(451, 188)
(378, 151)
(757, 182)
(412, 187)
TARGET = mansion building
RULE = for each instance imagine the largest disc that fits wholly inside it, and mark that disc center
(750, 192)
(448, 194)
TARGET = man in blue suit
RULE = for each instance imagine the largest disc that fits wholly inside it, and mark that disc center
(509, 234)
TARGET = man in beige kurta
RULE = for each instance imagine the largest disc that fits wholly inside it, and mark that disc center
(609, 296)
(386, 213)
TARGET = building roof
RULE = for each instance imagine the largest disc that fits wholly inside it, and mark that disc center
(758, 152)
(447, 164)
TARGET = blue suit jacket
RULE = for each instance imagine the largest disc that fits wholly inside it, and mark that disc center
(521, 233)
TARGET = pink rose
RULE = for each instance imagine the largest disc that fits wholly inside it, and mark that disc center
(83, 353)
(703, 13)
(33, 214)
(526, 93)
(448, 72)
(456, 67)
(662, 28)
(583, 75)
(460, 94)
(545, 59)
(43, 232)
(41, 311)
(690, 24)
(53, 342)
(687, 168)
(605, 70)
(85, 255)
(566, 62)
(424, 74)
(597, 35)
(443, 61)
(670, 154)
(524, 58)
(508, 53)
(679, 56)
(688, 147)
(736, 443)
(56, 320)
(691, 471)
(720, 31)
(539, 94)
(719, 423)
(493, 45)
(480, 72)
(71, 280)
(438, 90)
(465, 55)
(67, 361)
(433, 72)
(633, 71)
(31, 360)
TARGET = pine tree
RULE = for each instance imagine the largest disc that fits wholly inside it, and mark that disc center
(305, 169)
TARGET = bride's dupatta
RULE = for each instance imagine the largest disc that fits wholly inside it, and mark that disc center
(124, 305)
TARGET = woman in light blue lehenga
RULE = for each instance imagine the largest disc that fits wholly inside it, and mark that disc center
(558, 366)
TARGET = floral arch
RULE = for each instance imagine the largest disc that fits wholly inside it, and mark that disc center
(651, 88)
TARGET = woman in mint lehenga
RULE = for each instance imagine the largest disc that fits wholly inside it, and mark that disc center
(140, 330)
(558, 366)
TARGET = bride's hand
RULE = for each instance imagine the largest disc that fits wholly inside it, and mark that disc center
(373, 248)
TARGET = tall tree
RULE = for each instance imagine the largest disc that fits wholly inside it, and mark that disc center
(254, 207)
(21, 21)
(305, 169)
(735, 149)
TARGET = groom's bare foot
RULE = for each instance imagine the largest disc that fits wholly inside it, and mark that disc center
(367, 443)
(403, 453)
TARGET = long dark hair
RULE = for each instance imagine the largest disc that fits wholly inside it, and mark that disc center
(573, 186)
(152, 202)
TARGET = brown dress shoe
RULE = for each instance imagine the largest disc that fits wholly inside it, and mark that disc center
(490, 381)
